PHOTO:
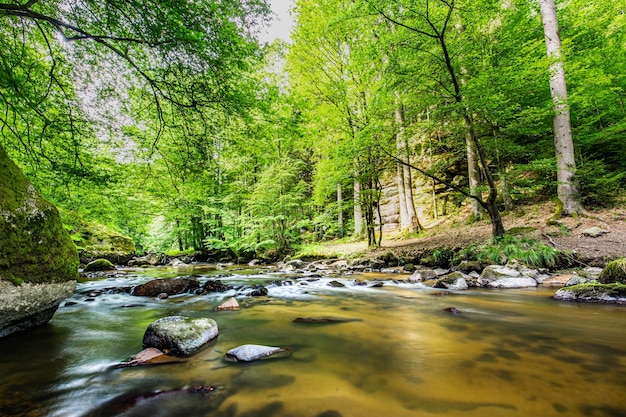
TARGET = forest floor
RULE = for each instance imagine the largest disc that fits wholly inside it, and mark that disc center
(455, 232)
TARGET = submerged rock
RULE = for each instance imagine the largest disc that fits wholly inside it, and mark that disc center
(215, 285)
(180, 336)
(38, 261)
(323, 320)
(169, 286)
(249, 353)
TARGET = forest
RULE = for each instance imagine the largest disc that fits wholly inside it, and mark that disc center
(172, 124)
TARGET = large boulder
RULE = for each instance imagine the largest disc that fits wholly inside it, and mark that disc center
(169, 286)
(95, 241)
(38, 261)
(180, 336)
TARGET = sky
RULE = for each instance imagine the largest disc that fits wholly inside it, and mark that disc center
(282, 22)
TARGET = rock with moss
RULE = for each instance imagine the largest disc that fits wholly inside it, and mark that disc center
(38, 262)
(452, 281)
(99, 265)
(614, 271)
(594, 293)
(179, 335)
(96, 241)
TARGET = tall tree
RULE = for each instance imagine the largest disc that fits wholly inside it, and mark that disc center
(563, 142)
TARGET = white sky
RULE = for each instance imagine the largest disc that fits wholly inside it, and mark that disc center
(282, 22)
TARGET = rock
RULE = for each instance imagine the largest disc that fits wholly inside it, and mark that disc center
(215, 286)
(149, 356)
(180, 336)
(593, 232)
(409, 267)
(38, 261)
(469, 266)
(95, 241)
(513, 282)
(99, 265)
(336, 284)
(614, 271)
(376, 284)
(452, 310)
(249, 353)
(576, 280)
(150, 259)
(590, 272)
(594, 293)
(296, 263)
(162, 296)
(169, 286)
(422, 274)
(513, 275)
(257, 292)
(323, 320)
(230, 304)
(452, 281)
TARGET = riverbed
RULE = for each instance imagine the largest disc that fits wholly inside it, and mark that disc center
(397, 351)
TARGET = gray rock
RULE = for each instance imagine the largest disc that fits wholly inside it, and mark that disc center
(496, 272)
(30, 304)
(576, 280)
(513, 282)
(593, 232)
(590, 272)
(452, 281)
(249, 353)
(180, 336)
(422, 274)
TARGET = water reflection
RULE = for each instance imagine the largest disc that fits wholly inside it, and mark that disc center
(396, 352)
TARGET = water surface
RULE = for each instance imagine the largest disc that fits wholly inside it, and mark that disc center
(508, 353)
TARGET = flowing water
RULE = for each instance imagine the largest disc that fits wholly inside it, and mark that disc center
(508, 353)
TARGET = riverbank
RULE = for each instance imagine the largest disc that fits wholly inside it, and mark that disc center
(455, 232)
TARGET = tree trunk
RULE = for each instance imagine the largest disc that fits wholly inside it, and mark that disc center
(358, 214)
(404, 220)
(563, 143)
(410, 223)
(473, 174)
(339, 210)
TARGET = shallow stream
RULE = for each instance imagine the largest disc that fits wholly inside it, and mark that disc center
(513, 353)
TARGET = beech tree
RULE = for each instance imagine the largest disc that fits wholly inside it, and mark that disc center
(563, 142)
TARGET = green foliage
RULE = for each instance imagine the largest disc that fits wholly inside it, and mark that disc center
(510, 247)
(614, 272)
(598, 186)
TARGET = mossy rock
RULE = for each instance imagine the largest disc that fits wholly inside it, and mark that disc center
(614, 271)
(99, 265)
(34, 246)
(96, 241)
(594, 293)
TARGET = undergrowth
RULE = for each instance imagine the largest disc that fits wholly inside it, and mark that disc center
(526, 250)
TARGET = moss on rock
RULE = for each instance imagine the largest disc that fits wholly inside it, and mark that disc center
(96, 241)
(34, 246)
(594, 293)
(99, 265)
(614, 271)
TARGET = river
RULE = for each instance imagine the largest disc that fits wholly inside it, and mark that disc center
(507, 353)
